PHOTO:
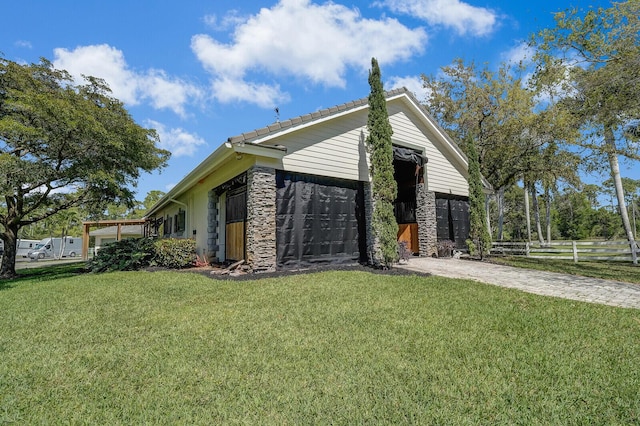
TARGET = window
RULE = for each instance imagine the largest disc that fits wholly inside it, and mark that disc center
(180, 220)
(167, 225)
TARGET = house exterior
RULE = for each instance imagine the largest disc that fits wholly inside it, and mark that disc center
(109, 234)
(112, 230)
(298, 191)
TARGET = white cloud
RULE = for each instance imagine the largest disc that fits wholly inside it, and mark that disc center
(297, 38)
(462, 17)
(228, 21)
(412, 82)
(237, 90)
(24, 44)
(129, 86)
(520, 53)
(177, 140)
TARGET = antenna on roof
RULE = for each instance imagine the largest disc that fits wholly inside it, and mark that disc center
(277, 110)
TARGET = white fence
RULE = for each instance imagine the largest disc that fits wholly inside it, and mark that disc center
(571, 250)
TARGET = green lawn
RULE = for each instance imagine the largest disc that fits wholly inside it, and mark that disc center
(619, 271)
(332, 347)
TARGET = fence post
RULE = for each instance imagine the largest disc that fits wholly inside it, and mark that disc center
(575, 252)
(634, 252)
(526, 249)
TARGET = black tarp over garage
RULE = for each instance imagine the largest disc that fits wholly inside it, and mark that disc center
(318, 219)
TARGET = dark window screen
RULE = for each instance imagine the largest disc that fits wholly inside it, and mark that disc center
(460, 221)
(442, 219)
(317, 219)
(452, 219)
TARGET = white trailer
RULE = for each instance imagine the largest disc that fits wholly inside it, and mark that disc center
(57, 248)
(23, 247)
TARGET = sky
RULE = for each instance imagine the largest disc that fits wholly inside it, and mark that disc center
(202, 71)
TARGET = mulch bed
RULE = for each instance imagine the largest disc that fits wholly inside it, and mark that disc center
(214, 271)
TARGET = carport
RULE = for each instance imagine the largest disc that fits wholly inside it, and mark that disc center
(86, 226)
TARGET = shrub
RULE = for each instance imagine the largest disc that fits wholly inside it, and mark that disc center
(125, 255)
(403, 251)
(174, 252)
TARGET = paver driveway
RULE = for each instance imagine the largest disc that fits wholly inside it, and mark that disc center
(585, 289)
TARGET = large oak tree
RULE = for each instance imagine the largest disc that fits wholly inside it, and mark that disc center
(597, 56)
(63, 145)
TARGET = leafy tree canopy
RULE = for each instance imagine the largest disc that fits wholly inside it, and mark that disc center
(64, 145)
(595, 57)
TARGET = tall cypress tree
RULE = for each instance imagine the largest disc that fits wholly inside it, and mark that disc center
(383, 185)
(479, 241)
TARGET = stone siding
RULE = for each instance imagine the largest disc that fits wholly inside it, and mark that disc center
(427, 222)
(212, 227)
(261, 219)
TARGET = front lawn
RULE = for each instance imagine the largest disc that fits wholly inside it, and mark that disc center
(331, 347)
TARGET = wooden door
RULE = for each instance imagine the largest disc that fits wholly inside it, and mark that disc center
(235, 225)
(408, 232)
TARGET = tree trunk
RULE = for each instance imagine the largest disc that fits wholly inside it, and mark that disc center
(10, 239)
(500, 200)
(617, 181)
(536, 213)
(547, 200)
(527, 213)
(609, 139)
(487, 200)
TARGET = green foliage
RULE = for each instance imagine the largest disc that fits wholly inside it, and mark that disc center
(383, 185)
(125, 255)
(514, 225)
(57, 135)
(174, 253)
(602, 90)
(478, 232)
(386, 229)
(576, 218)
(136, 253)
(495, 109)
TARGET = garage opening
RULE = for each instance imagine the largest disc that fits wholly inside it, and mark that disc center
(318, 220)
(408, 174)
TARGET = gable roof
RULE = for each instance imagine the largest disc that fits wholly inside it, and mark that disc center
(279, 127)
(253, 142)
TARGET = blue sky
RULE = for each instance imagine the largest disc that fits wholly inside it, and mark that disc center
(202, 71)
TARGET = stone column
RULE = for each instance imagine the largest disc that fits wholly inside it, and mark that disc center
(427, 222)
(212, 227)
(261, 219)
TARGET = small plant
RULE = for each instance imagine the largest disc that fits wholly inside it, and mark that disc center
(201, 261)
(403, 251)
(445, 248)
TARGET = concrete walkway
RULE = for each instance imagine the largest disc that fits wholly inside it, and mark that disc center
(584, 289)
